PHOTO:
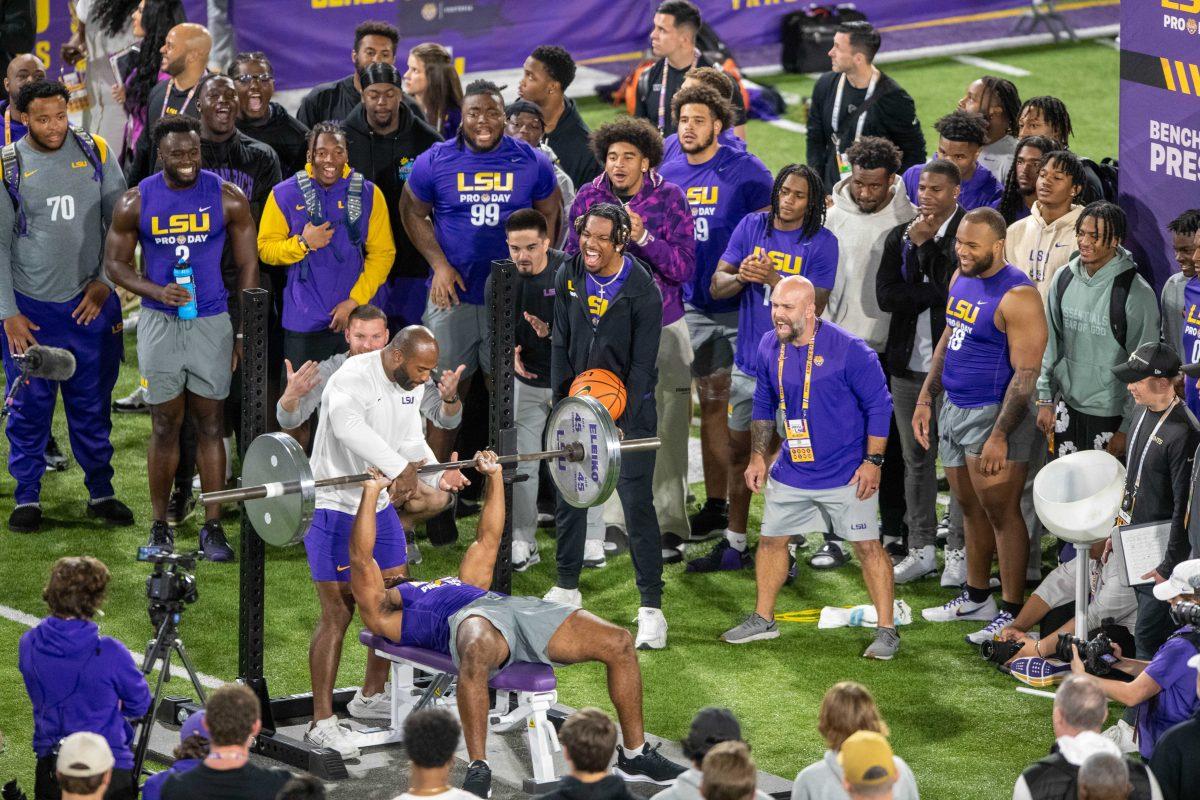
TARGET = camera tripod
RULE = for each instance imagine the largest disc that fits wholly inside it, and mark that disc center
(165, 643)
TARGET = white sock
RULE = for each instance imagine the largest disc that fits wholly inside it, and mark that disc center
(736, 540)
(632, 753)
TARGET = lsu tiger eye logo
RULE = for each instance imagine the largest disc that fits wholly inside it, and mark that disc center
(485, 182)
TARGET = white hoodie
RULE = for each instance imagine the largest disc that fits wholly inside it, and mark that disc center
(860, 236)
(1039, 249)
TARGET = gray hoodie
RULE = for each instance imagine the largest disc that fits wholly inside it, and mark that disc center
(823, 781)
(687, 787)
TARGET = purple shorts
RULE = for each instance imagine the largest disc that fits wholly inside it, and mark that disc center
(328, 543)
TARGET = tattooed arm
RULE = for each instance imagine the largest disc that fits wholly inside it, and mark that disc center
(1021, 316)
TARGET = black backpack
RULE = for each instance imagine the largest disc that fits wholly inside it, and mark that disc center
(1106, 173)
(1117, 321)
(807, 35)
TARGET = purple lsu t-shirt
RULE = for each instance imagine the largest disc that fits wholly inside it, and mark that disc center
(792, 253)
(720, 192)
(427, 607)
(601, 292)
(473, 194)
(1177, 699)
(848, 401)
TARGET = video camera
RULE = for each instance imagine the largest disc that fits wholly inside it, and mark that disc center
(1186, 613)
(1097, 654)
(170, 586)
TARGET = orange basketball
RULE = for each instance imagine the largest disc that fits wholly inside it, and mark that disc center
(603, 385)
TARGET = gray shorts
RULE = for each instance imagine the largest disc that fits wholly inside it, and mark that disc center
(714, 337)
(963, 431)
(459, 333)
(741, 400)
(788, 511)
(526, 623)
(177, 354)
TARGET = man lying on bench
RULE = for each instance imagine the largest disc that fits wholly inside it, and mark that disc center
(483, 631)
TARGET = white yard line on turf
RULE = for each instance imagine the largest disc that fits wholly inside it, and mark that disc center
(788, 125)
(992, 66)
(29, 621)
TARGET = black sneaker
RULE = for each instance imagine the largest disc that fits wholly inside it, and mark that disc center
(829, 556)
(180, 506)
(791, 575)
(56, 460)
(479, 779)
(648, 766)
(25, 519)
(161, 535)
(213, 543)
(110, 511)
(722, 557)
(672, 548)
(713, 517)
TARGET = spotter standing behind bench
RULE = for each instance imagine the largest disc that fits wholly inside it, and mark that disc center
(484, 631)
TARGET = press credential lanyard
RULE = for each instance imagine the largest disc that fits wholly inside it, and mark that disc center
(799, 440)
(1126, 513)
(843, 165)
(662, 95)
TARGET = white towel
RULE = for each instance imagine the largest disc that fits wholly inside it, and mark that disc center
(863, 616)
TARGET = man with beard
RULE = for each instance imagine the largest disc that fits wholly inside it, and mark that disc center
(188, 363)
(722, 185)
(537, 264)
(1183, 230)
(548, 72)
(997, 101)
(913, 281)
(24, 68)
(1020, 187)
(185, 60)
(383, 140)
(1043, 242)
(828, 389)
(254, 168)
(608, 315)
(264, 120)
(454, 206)
(370, 419)
(765, 248)
(53, 293)
(986, 363)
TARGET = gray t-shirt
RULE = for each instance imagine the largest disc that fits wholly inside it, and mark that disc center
(67, 214)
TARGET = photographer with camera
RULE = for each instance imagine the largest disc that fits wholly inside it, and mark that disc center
(1165, 689)
(78, 680)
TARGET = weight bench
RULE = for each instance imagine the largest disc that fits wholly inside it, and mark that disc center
(524, 693)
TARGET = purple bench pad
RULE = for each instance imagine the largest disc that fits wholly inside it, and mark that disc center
(519, 676)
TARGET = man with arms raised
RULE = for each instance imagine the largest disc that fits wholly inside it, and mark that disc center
(484, 631)
(987, 363)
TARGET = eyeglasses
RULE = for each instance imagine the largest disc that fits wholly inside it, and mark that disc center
(246, 80)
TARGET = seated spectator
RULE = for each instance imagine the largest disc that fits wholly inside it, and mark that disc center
(868, 766)
(1104, 777)
(710, 727)
(192, 749)
(233, 718)
(1174, 763)
(302, 787)
(729, 773)
(1080, 709)
(588, 740)
(84, 768)
(430, 739)
(846, 709)
(79, 680)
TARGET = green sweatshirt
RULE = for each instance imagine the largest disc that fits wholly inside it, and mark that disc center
(1081, 350)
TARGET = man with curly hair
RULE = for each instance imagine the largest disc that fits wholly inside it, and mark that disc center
(961, 137)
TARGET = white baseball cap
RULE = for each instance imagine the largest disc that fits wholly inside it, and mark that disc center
(84, 755)
(1182, 581)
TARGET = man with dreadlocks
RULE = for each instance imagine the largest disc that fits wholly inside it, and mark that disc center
(1183, 230)
(1048, 116)
(1043, 242)
(765, 248)
(1080, 402)
(961, 136)
(1020, 188)
(723, 185)
(998, 102)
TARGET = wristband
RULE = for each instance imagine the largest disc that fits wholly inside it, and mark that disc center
(240, 336)
(645, 238)
(924, 403)
(450, 400)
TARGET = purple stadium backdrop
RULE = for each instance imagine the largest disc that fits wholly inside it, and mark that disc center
(1160, 124)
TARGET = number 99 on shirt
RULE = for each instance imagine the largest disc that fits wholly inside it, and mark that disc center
(485, 214)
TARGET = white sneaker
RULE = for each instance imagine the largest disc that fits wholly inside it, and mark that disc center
(652, 629)
(525, 555)
(988, 632)
(328, 733)
(593, 554)
(919, 563)
(377, 706)
(954, 572)
(961, 608)
(568, 597)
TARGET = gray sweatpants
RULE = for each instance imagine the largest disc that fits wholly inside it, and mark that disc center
(920, 470)
(532, 409)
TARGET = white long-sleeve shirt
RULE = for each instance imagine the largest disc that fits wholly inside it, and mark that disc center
(367, 421)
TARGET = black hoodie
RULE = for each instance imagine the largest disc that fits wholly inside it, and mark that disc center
(610, 787)
(386, 161)
(283, 133)
(569, 141)
(625, 341)
(335, 100)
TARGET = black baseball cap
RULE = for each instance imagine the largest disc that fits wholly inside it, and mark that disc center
(710, 726)
(1150, 360)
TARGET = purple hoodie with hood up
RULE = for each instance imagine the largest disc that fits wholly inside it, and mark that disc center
(671, 250)
(79, 680)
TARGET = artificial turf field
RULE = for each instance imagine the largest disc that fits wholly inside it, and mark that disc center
(960, 725)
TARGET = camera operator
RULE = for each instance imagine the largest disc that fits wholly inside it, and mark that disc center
(79, 680)
(1165, 689)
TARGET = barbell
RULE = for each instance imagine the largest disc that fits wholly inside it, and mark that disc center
(279, 492)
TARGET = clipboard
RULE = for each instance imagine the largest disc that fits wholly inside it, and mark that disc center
(1139, 549)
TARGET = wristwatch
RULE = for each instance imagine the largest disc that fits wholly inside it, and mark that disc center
(877, 460)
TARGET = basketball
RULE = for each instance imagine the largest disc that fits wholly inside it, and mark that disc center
(605, 387)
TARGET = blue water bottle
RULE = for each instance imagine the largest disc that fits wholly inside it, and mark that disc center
(183, 276)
